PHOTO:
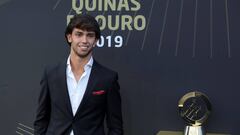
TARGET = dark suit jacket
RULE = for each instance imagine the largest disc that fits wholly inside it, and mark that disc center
(54, 113)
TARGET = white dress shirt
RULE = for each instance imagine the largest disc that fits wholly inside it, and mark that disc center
(76, 89)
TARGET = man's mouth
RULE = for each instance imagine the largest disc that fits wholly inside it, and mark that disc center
(83, 46)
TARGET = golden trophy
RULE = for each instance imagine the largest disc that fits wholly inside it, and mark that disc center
(194, 108)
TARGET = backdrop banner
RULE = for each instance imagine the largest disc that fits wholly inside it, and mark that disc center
(162, 49)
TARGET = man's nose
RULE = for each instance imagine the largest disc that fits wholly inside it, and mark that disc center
(84, 38)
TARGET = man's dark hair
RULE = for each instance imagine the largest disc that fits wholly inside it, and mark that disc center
(83, 22)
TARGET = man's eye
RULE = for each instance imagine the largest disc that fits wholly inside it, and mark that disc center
(91, 35)
(78, 34)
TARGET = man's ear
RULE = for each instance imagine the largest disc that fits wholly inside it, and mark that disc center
(69, 38)
(95, 43)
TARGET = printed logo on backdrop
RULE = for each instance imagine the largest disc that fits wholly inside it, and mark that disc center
(127, 21)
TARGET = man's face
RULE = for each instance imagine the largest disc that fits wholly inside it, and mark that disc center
(82, 42)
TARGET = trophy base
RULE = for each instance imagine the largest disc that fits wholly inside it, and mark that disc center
(181, 133)
(194, 130)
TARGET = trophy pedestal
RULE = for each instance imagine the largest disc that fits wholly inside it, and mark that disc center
(194, 130)
(181, 133)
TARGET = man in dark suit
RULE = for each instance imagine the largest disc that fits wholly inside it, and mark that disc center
(78, 93)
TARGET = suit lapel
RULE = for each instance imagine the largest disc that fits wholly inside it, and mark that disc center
(93, 79)
(63, 90)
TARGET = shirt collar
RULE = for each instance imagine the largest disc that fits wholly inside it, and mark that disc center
(88, 65)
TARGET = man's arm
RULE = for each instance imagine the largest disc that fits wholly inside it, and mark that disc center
(43, 108)
(114, 111)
